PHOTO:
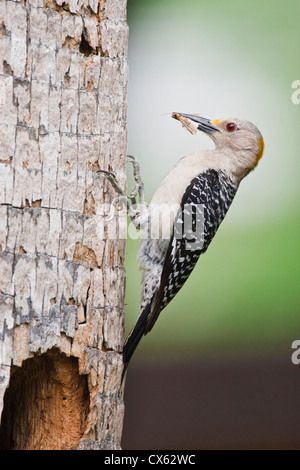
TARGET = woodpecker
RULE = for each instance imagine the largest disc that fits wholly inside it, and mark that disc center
(200, 189)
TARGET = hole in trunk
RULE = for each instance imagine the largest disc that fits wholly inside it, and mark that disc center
(85, 48)
(45, 405)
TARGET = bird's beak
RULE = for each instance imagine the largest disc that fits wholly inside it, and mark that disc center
(204, 124)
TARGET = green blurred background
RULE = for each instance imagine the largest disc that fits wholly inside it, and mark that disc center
(216, 370)
(222, 58)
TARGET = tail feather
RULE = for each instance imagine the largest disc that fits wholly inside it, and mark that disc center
(135, 336)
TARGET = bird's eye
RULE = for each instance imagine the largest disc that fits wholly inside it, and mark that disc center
(231, 127)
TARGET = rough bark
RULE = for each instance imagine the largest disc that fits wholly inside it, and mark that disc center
(63, 85)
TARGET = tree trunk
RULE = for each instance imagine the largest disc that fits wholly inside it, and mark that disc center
(63, 86)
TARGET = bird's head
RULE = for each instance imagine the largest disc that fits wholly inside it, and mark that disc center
(237, 138)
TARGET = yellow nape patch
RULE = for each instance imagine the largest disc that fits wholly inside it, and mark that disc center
(261, 146)
(215, 122)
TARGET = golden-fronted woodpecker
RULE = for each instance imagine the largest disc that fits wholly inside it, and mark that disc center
(201, 187)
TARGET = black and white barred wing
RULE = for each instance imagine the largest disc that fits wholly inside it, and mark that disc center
(203, 207)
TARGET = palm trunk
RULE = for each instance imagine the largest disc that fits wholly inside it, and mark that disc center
(63, 86)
